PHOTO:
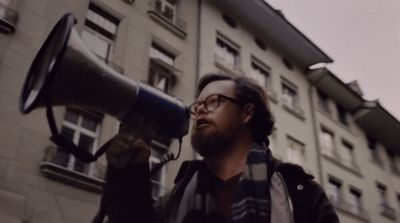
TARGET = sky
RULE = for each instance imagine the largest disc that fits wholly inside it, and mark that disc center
(361, 36)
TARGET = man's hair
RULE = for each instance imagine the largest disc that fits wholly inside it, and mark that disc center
(247, 91)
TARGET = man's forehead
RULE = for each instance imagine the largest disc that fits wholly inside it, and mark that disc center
(225, 87)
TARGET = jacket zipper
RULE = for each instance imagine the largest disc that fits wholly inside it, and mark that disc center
(287, 196)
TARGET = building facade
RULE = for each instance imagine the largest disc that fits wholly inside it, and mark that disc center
(348, 144)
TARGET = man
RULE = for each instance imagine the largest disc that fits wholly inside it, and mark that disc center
(238, 180)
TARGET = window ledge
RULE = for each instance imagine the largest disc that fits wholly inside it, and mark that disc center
(297, 112)
(237, 72)
(388, 212)
(272, 96)
(167, 23)
(8, 19)
(345, 207)
(355, 169)
(67, 176)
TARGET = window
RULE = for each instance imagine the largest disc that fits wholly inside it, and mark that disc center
(167, 8)
(259, 73)
(355, 201)
(342, 114)
(347, 154)
(226, 53)
(384, 206)
(99, 32)
(334, 191)
(161, 68)
(273, 140)
(375, 156)
(323, 102)
(395, 164)
(289, 95)
(382, 193)
(327, 142)
(82, 128)
(295, 151)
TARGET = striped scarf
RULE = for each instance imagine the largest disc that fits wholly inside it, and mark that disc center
(251, 200)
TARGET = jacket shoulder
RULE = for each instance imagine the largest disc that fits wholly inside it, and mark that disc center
(310, 202)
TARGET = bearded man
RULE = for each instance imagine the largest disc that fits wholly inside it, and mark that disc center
(237, 181)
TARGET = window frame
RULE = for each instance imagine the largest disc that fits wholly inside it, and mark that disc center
(301, 147)
(228, 45)
(325, 150)
(78, 131)
(262, 70)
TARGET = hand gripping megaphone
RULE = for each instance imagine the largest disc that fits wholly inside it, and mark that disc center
(65, 72)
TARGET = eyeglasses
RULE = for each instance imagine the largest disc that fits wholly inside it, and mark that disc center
(211, 103)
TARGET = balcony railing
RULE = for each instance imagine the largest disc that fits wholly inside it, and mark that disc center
(348, 207)
(387, 211)
(56, 164)
(168, 14)
(8, 19)
(222, 63)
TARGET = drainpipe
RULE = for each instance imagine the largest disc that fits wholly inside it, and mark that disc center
(198, 44)
(315, 127)
(198, 47)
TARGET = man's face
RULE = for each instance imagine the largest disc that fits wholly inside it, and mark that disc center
(213, 131)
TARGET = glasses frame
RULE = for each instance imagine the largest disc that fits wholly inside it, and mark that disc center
(219, 96)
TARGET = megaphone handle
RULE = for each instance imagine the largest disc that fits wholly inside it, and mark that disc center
(66, 144)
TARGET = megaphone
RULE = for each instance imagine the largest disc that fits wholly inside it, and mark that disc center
(65, 72)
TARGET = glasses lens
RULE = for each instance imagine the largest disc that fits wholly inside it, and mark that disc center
(193, 108)
(212, 102)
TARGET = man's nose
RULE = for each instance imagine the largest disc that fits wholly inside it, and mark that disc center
(201, 109)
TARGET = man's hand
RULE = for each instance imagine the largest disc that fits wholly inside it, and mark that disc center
(130, 145)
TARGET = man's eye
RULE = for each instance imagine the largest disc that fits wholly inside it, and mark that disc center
(213, 101)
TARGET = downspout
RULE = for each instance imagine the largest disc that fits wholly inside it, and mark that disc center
(198, 54)
(198, 44)
(315, 127)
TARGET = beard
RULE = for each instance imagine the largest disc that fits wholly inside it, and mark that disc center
(209, 144)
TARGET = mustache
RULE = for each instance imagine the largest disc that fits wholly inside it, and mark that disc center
(201, 121)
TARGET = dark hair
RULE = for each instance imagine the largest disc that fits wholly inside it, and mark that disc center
(247, 91)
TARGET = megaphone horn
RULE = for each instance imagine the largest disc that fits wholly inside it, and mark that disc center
(66, 72)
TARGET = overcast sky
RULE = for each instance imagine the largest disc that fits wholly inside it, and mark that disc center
(361, 36)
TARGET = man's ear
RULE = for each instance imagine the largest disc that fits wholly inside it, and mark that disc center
(248, 112)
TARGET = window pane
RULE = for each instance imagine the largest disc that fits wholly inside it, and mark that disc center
(71, 116)
(295, 152)
(347, 154)
(157, 53)
(86, 142)
(89, 123)
(326, 140)
(334, 191)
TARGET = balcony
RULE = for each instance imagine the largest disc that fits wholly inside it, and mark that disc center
(231, 68)
(292, 107)
(349, 208)
(56, 165)
(387, 211)
(8, 19)
(166, 16)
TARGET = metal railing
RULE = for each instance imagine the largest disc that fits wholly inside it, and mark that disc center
(61, 158)
(168, 14)
(234, 67)
(8, 19)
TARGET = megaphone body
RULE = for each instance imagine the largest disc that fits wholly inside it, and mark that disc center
(65, 72)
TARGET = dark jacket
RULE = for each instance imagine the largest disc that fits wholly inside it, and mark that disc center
(128, 196)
